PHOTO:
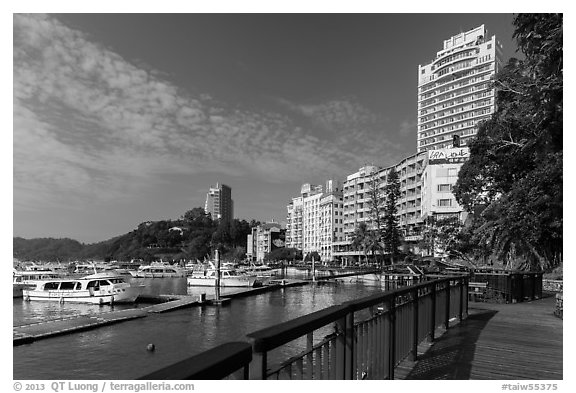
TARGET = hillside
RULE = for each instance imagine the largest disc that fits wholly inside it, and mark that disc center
(190, 237)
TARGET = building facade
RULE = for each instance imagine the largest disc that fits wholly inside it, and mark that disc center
(314, 219)
(264, 239)
(454, 90)
(219, 203)
(438, 180)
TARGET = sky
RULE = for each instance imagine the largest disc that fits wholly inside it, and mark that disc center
(124, 118)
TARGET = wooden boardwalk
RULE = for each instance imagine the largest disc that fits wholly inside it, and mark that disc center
(497, 341)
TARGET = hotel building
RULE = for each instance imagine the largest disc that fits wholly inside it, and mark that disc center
(219, 203)
(454, 90)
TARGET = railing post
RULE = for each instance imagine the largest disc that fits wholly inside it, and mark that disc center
(447, 316)
(341, 349)
(461, 302)
(350, 359)
(392, 341)
(466, 289)
(414, 352)
(309, 357)
(258, 365)
(433, 319)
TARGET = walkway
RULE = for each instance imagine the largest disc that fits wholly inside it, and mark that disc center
(497, 341)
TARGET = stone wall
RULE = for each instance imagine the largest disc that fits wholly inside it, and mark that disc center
(552, 285)
(559, 309)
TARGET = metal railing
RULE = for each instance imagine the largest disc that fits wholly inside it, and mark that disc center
(369, 349)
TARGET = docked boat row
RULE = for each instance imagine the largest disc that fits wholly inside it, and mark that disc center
(108, 284)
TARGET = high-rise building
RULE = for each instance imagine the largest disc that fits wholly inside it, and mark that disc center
(454, 90)
(314, 219)
(219, 203)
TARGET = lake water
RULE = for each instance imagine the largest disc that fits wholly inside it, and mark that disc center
(119, 351)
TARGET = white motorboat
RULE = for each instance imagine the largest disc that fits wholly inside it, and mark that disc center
(228, 278)
(159, 270)
(99, 288)
(264, 273)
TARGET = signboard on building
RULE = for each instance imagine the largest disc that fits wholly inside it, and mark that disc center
(448, 156)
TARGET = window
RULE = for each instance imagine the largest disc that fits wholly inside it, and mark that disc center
(444, 202)
(50, 286)
(444, 187)
(452, 172)
(68, 285)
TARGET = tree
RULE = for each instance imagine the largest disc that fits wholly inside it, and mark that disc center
(284, 254)
(515, 166)
(359, 239)
(198, 217)
(313, 254)
(391, 226)
(376, 203)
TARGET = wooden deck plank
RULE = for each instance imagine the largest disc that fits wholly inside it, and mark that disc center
(497, 341)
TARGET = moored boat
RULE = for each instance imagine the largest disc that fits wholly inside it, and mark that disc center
(159, 270)
(228, 278)
(98, 288)
(22, 279)
(263, 273)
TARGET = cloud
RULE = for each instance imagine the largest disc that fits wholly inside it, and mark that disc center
(90, 125)
(407, 127)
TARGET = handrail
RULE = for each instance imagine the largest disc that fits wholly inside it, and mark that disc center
(265, 340)
(272, 337)
(378, 298)
(216, 363)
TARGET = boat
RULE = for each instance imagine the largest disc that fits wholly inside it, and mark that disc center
(229, 277)
(98, 288)
(22, 279)
(159, 270)
(264, 273)
(126, 268)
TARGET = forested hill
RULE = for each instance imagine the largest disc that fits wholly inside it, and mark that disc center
(189, 237)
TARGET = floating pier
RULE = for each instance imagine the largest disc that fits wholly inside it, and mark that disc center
(28, 333)
(175, 303)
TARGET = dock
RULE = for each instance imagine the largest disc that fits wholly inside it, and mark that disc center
(26, 334)
(175, 303)
(331, 276)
